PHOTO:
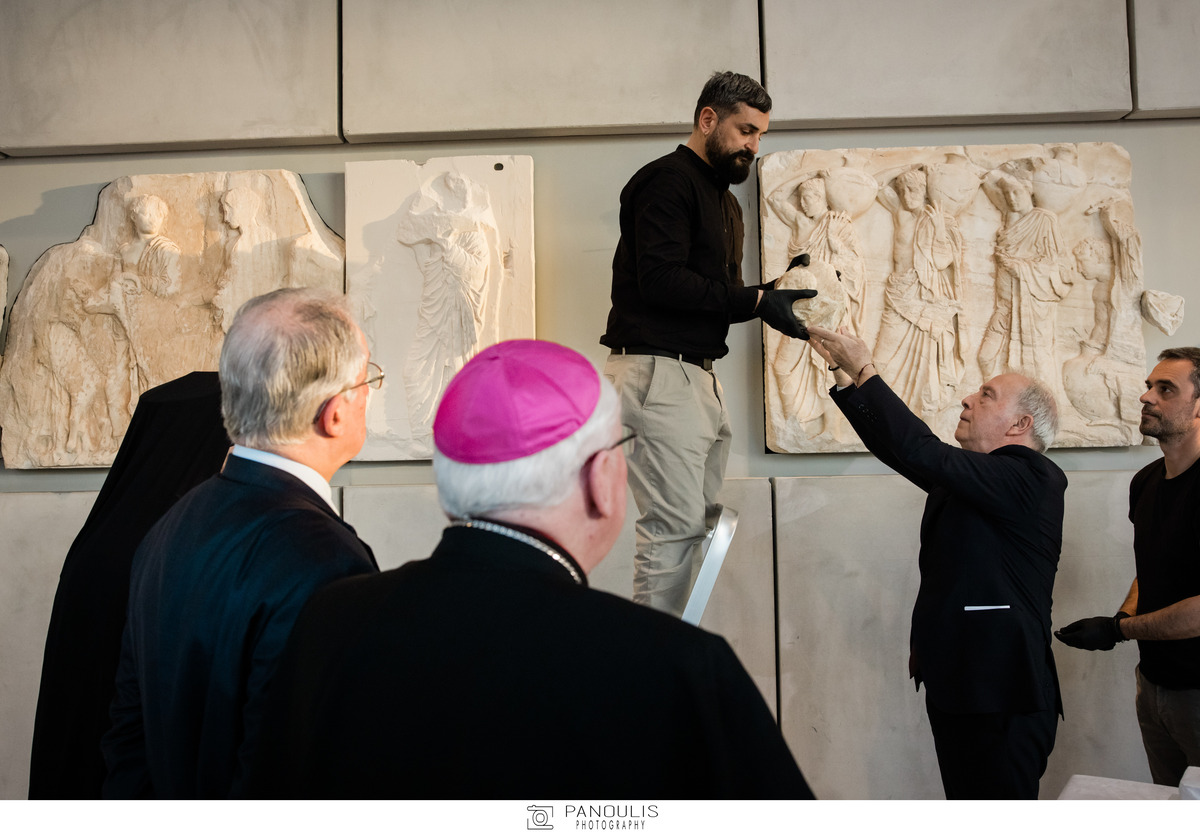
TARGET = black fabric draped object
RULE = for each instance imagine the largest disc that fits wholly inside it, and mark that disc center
(175, 440)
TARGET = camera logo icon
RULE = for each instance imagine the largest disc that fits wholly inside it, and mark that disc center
(539, 817)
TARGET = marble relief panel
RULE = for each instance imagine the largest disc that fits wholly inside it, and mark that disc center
(439, 265)
(145, 295)
(958, 263)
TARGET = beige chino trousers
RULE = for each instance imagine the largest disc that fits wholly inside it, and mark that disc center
(675, 471)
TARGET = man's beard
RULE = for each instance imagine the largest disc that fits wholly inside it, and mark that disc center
(1161, 427)
(733, 166)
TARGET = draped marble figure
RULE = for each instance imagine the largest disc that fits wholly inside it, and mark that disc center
(1031, 279)
(253, 261)
(439, 266)
(797, 370)
(451, 230)
(819, 207)
(973, 262)
(825, 234)
(920, 342)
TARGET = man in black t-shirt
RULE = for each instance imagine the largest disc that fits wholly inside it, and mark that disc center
(1162, 610)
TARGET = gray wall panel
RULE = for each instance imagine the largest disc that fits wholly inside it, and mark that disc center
(123, 75)
(847, 551)
(1166, 44)
(847, 581)
(38, 531)
(860, 62)
(536, 66)
(400, 523)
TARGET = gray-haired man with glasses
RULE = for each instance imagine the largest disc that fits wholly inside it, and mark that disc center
(218, 582)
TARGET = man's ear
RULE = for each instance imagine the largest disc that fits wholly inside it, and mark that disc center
(332, 422)
(1024, 425)
(604, 484)
(708, 120)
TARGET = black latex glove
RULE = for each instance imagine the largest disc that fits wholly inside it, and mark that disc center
(799, 260)
(775, 308)
(1092, 633)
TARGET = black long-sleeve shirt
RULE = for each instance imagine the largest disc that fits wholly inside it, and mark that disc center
(677, 271)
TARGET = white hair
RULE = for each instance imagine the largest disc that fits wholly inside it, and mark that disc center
(1037, 401)
(543, 479)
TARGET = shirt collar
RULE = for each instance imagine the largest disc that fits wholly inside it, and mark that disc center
(307, 474)
(709, 172)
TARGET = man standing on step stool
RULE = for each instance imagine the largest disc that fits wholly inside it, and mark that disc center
(677, 286)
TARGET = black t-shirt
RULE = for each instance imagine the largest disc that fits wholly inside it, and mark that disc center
(1166, 544)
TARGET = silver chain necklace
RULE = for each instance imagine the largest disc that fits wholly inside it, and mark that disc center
(517, 535)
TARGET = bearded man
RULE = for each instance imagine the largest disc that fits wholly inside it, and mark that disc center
(676, 288)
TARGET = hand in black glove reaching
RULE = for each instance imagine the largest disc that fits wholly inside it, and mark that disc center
(775, 308)
(800, 260)
(1093, 633)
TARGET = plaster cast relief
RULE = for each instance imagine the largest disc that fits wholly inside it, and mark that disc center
(439, 266)
(962, 263)
(144, 296)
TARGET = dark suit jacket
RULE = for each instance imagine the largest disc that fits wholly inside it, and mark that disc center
(217, 584)
(485, 671)
(990, 536)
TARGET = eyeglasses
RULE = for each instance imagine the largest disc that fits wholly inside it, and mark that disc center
(630, 438)
(375, 381)
(372, 381)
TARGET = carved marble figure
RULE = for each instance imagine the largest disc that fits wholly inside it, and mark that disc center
(140, 299)
(1126, 284)
(920, 341)
(253, 260)
(148, 268)
(1103, 382)
(450, 228)
(974, 260)
(823, 233)
(797, 370)
(440, 267)
(1093, 381)
(1031, 280)
(817, 208)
